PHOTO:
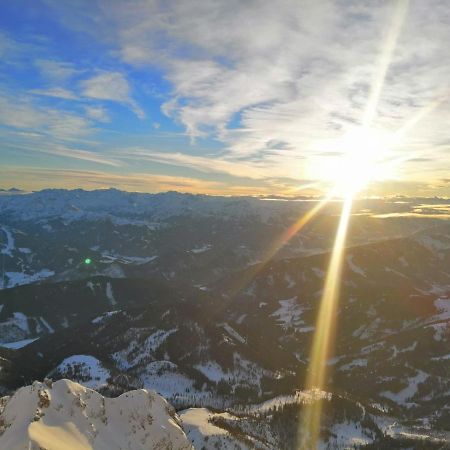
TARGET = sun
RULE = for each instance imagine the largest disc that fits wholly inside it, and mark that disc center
(355, 160)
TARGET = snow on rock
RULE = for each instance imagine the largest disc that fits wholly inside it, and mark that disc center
(434, 243)
(289, 281)
(212, 371)
(348, 435)
(203, 433)
(202, 249)
(123, 208)
(441, 358)
(18, 344)
(129, 357)
(15, 328)
(289, 313)
(443, 306)
(355, 268)
(300, 397)
(47, 326)
(102, 318)
(110, 294)
(359, 362)
(20, 278)
(66, 415)
(165, 378)
(243, 372)
(84, 369)
(233, 333)
(404, 396)
(441, 330)
(8, 246)
(136, 260)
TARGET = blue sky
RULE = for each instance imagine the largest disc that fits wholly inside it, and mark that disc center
(225, 96)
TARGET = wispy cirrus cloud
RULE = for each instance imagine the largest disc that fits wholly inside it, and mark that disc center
(57, 71)
(56, 92)
(24, 113)
(31, 178)
(111, 86)
(207, 164)
(288, 71)
(97, 113)
(38, 143)
(33, 128)
(271, 86)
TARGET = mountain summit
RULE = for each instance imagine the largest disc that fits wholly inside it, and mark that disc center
(64, 414)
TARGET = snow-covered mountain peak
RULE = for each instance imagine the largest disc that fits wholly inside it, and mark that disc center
(67, 415)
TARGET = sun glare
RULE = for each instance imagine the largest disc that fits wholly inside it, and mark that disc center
(357, 159)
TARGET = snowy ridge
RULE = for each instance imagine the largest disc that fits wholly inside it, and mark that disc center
(66, 415)
(84, 369)
(130, 207)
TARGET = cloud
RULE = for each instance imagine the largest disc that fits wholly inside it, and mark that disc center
(9, 48)
(31, 128)
(20, 113)
(111, 86)
(255, 170)
(54, 92)
(272, 83)
(200, 163)
(297, 72)
(34, 178)
(97, 113)
(23, 113)
(56, 70)
(32, 143)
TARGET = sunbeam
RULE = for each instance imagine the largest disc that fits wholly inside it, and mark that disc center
(325, 327)
(278, 244)
(310, 422)
(385, 60)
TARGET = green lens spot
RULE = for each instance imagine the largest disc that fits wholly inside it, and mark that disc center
(88, 261)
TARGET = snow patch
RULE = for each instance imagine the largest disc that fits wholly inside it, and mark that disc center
(202, 249)
(200, 431)
(21, 278)
(234, 334)
(289, 314)
(355, 268)
(110, 294)
(8, 246)
(18, 344)
(84, 369)
(402, 397)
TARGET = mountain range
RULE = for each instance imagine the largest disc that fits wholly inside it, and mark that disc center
(199, 299)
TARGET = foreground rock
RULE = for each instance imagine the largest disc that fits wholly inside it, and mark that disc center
(67, 415)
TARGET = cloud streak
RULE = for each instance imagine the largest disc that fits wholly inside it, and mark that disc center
(111, 86)
(30, 178)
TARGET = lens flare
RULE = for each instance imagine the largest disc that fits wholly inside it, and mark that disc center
(277, 245)
(309, 429)
(294, 229)
(325, 327)
(390, 43)
(363, 157)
